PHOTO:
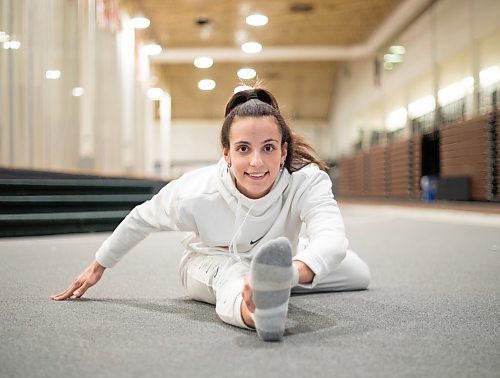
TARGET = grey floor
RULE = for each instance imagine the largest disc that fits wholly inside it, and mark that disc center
(433, 309)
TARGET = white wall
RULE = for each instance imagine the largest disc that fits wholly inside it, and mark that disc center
(196, 143)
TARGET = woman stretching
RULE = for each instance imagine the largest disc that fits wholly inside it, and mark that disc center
(243, 217)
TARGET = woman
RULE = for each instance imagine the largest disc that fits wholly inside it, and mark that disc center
(244, 216)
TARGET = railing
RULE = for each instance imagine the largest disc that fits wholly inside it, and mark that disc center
(462, 155)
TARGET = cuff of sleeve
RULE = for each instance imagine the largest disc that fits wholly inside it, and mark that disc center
(103, 258)
(316, 265)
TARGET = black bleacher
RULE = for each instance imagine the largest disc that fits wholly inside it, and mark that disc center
(43, 203)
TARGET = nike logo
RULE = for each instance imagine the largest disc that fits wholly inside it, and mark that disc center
(256, 241)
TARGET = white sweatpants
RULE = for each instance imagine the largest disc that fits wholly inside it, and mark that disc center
(219, 279)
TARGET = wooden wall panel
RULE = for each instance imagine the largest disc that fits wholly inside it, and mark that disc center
(497, 198)
(398, 169)
(494, 146)
(344, 170)
(395, 170)
(358, 175)
(464, 152)
(415, 170)
(351, 176)
(375, 175)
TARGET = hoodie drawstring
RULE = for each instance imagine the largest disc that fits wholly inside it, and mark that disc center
(233, 250)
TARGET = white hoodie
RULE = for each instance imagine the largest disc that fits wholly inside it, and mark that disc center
(221, 220)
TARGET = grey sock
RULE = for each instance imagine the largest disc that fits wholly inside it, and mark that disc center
(271, 277)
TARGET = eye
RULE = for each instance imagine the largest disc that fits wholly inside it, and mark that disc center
(242, 149)
(269, 148)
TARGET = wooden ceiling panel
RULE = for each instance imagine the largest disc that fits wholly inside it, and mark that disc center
(331, 22)
(303, 88)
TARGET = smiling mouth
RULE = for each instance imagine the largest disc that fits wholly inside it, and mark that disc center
(256, 176)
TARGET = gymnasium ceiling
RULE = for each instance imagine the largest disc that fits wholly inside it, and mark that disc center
(304, 43)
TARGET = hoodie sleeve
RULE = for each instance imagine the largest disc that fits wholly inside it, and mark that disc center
(324, 226)
(159, 213)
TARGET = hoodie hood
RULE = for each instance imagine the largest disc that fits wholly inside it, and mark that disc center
(252, 217)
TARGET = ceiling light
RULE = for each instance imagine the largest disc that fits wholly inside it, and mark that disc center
(13, 45)
(206, 84)
(53, 74)
(251, 47)
(257, 20)
(203, 62)
(393, 58)
(397, 49)
(152, 49)
(155, 93)
(246, 73)
(4, 37)
(240, 88)
(77, 92)
(140, 22)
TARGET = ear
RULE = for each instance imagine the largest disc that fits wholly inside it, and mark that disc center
(284, 152)
(225, 153)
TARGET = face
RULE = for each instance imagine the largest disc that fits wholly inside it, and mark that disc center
(255, 154)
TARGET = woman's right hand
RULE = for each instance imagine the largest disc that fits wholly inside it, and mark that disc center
(89, 277)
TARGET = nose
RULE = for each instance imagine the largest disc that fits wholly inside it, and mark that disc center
(256, 159)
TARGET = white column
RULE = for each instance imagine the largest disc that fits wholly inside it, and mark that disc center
(127, 73)
(150, 139)
(165, 131)
(87, 78)
(475, 59)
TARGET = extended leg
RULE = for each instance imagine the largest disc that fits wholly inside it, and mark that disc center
(271, 276)
(352, 274)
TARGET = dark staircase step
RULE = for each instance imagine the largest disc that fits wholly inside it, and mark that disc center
(47, 203)
(75, 202)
